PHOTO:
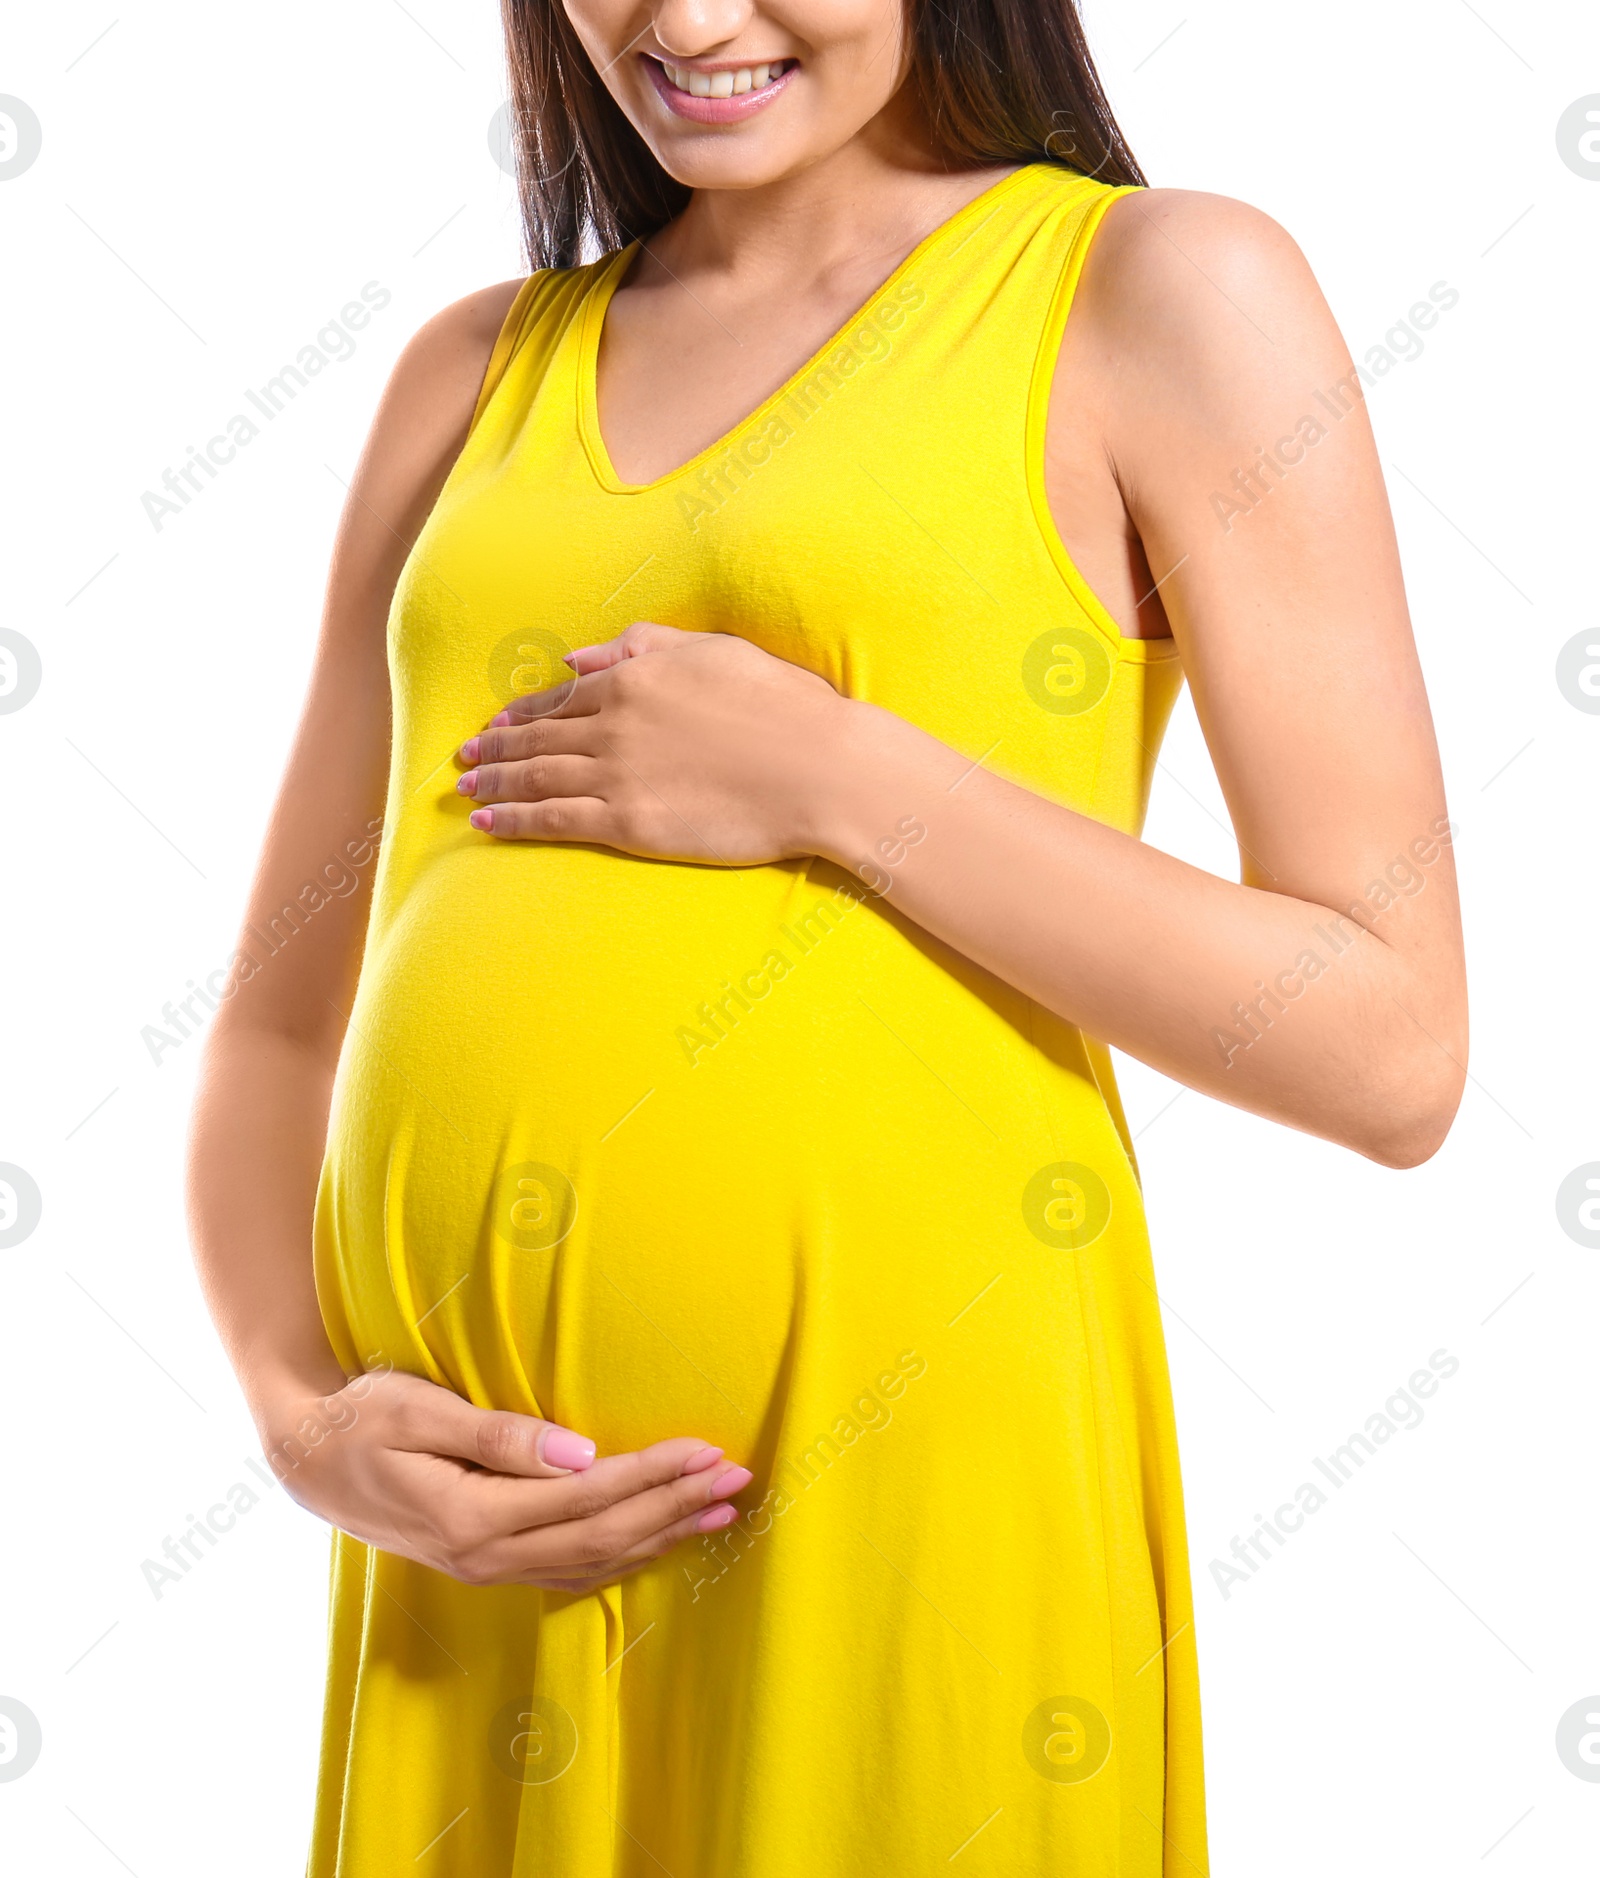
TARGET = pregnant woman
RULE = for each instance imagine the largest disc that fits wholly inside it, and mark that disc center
(711, 1300)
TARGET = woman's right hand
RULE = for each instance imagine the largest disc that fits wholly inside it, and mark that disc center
(487, 1496)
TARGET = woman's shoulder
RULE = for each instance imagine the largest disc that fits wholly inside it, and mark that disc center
(437, 378)
(1155, 237)
(433, 386)
(1185, 263)
(442, 364)
(460, 340)
(477, 317)
(1203, 294)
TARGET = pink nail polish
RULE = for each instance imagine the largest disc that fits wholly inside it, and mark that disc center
(735, 1480)
(562, 1448)
(496, 723)
(698, 1463)
(467, 785)
(482, 819)
(469, 750)
(715, 1518)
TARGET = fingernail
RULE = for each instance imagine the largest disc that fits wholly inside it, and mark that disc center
(484, 819)
(569, 658)
(467, 785)
(562, 1448)
(496, 723)
(469, 750)
(698, 1463)
(715, 1518)
(735, 1480)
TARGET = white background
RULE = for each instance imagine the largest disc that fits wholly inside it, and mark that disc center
(215, 182)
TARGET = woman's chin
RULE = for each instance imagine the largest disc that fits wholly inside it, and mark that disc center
(705, 158)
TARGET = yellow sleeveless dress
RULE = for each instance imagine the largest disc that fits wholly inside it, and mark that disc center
(655, 1149)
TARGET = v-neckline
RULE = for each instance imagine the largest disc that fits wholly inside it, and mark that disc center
(609, 277)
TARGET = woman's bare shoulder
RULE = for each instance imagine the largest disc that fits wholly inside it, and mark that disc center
(1156, 240)
(426, 409)
(436, 379)
(1203, 290)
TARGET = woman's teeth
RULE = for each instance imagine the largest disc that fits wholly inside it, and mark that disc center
(725, 84)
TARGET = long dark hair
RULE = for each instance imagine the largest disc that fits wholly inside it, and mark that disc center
(999, 81)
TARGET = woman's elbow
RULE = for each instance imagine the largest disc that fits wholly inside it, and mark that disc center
(1407, 1120)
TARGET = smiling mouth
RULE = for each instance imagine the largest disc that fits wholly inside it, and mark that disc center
(733, 82)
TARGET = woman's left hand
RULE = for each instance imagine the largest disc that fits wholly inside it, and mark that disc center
(680, 746)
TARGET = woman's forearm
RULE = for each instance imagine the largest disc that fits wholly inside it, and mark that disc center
(1336, 1018)
(255, 1155)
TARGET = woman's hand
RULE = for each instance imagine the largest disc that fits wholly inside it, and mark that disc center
(674, 745)
(490, 1497)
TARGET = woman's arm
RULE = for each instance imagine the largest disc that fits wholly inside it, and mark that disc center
(1297, 992)
(1200, 339)
(262, 1109)
(391, 1459)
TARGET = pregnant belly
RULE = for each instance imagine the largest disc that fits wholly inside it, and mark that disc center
(649, 1149)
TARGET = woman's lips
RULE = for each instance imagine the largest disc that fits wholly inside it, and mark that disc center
(715, 110)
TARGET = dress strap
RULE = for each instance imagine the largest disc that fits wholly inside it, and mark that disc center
(506, 342)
